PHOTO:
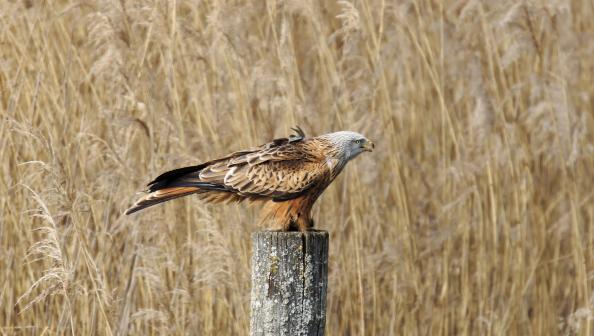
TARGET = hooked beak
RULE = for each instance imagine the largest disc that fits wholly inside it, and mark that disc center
(368, 146)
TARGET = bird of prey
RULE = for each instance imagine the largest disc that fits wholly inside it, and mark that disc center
(287, 174)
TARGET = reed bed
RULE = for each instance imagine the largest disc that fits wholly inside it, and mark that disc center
(473, 216)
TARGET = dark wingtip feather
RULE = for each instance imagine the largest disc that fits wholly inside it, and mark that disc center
(164, 179)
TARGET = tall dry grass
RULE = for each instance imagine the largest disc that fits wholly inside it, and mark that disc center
(474, 216)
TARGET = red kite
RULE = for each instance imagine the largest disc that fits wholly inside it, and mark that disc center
(288, 174)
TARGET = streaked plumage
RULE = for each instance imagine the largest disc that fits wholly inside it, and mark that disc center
(288, 174)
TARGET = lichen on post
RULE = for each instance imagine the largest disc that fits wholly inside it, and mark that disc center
(289, 281)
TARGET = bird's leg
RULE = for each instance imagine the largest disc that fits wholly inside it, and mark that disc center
(293, 225)
(310, 224)
(305, 223)
(301, 222)
(309, 220)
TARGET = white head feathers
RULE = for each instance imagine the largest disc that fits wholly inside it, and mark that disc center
(350, 144)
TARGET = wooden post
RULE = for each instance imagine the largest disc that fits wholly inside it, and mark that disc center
(289, 281)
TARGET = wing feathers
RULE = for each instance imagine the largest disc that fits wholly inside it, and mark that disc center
(281, 170)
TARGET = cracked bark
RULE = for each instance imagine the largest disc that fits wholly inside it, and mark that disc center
(289, 281)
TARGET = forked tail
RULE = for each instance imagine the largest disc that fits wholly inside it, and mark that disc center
(174, 184)
(160, 196)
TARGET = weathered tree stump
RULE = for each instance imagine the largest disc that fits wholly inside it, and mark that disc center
(289, 281)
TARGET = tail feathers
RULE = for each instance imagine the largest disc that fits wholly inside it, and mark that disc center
(160, 196)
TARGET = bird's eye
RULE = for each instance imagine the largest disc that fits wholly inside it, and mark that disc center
(359, 141)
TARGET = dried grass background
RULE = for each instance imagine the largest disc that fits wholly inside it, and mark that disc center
(474, 216)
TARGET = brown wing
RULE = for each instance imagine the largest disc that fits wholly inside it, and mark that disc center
(280, 180)
(282, 169)
(280, 172)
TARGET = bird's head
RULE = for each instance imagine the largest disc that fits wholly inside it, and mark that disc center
(350, 144)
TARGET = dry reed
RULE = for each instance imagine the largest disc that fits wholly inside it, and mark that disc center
(474, 216)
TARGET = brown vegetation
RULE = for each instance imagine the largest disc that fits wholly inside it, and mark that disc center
(474, 215)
